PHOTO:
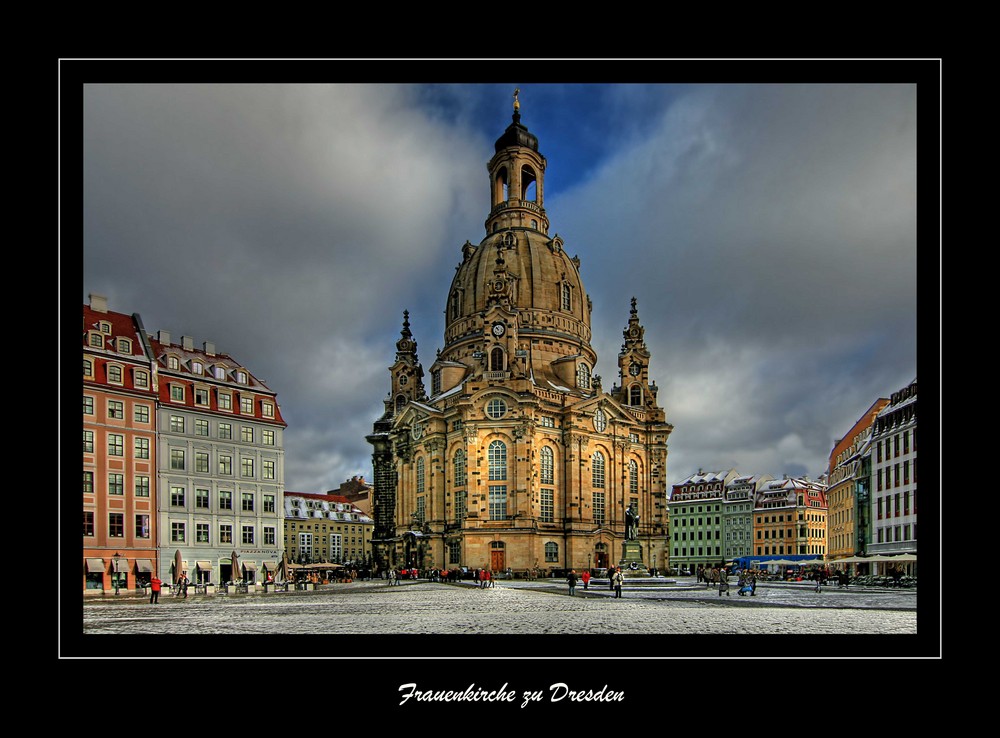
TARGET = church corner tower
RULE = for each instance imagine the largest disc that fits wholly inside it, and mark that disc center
(517, 458)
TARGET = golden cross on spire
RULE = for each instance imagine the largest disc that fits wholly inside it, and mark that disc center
(517, 104)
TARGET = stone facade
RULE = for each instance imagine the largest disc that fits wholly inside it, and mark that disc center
(515, 456)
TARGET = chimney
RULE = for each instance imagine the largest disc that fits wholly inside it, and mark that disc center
(98, 303)
(209, 348)
(163, 337)
(187, 343)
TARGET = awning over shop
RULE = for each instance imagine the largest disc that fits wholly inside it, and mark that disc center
(95, 566)
(250, 566)
(143, 565)
(204, 565)
(120, 565)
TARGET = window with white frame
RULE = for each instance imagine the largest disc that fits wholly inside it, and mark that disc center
(246, 405)
(547, 507)
(177, 393)
(226, 533)
(583, 376)
(496, 408)
(246, 466)
(116, 484)
(142, 486)
(88, 368)
(177, 496)
(176, 423)
(177, 531)
(498, 502)
(141, 379)
(201, 499)
(267, 409)
(267, 437)
(142, 448)
(88, 442)
(597, 470)
(248, 536)
(420, 475)
(547, 465)
(225, 401)
(201, 533)
(599, 508)
(497, 461)
(177, 459)
(201, 396)
(225, 464)
(88, 405)
(459, 468)
(116, 409)
(246, 433)
(267, 469)
(116, 444)
(200, 427)
(114, 374)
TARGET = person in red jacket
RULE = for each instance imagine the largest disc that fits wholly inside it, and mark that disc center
(585, 577)
(154, 590)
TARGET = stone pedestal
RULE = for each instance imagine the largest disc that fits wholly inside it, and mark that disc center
(631, 561)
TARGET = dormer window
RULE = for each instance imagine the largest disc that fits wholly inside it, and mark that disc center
(220, 372)
(124, 346)
(583, 376)
(88, 368)
(197, 367)
(173, 363)
(114, 374)
(105, 327)
(141, 378)
(96, 340)
(241, 376)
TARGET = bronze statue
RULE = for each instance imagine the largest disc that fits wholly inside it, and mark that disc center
(631, 523)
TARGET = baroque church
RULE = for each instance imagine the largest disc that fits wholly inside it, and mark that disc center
(515, 457)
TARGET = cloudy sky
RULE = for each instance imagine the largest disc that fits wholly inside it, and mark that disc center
(767, 230)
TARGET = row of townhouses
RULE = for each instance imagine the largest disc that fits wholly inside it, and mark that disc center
(865, 505)
(183, 466)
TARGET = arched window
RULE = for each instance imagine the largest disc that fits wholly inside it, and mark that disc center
(597, 468)
(498, 460)
(583, 376)
(496, 359)
(420, 475)
(633, 477)
(529, 188)
(547, 466)
(500, 185)
(567, 297)
(551, 552)
(459, 468)
(454, 305)
(400, 401)
(635, 395)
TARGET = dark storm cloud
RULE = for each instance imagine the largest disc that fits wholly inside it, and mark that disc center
(767, 231)
(770, 235)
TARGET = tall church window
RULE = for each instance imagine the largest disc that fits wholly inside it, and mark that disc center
(547, 506)
(498, 461)
(459, 468)
(421, 510)
(597, 470)
(567, 297)
(420, 475)
(633, 477)
(583, 376)
(599, 508)
(635, 395)
(454, 305)
(498, 502)
(547, 465)
(400, 401)
(500, 185)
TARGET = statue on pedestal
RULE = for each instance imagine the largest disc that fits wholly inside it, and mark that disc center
(631, 523)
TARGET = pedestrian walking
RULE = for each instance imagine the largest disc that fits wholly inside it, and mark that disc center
(183, 582)
(723, 582)
(571, 580)
(585, 577)
(154, 590)
(616, 582)
(482, 578)
(753, 583)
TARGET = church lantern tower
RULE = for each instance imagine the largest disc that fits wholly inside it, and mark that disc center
(517, 458)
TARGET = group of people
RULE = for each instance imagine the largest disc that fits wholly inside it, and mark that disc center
(615, 580)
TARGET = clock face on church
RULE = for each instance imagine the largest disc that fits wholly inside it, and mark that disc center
(498, 329)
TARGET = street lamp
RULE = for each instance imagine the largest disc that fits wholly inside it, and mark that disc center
(116, 557)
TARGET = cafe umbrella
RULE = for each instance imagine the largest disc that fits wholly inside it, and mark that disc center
(235, 573)
(178, 566)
